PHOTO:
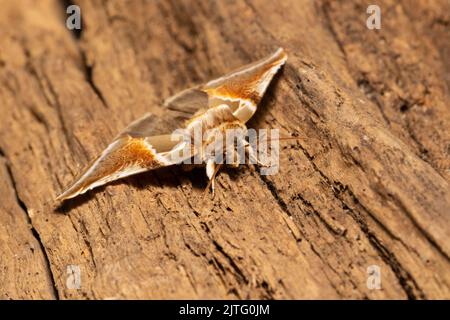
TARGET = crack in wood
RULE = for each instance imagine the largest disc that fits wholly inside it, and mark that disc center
(34, 232)
(405, 279)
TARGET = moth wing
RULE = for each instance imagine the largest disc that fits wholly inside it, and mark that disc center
(188, 102)
(157, 130)
(244, 88)
(241, 89)
(142, 146)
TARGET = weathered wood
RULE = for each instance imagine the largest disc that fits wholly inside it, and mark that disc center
(24, 270)
(366, 184)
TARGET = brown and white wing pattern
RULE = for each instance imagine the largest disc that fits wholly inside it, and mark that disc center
(122, 158)
(246, 86)
(140, 147)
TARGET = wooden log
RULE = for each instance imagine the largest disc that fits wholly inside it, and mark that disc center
(366, 184)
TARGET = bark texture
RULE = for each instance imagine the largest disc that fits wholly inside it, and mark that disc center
(367, 183)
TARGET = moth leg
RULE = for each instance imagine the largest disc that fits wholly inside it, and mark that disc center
(234, 158)
(211, 172)
(210, 169)
(252, 155)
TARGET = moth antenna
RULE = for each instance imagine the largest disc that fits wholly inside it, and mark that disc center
(285, 138)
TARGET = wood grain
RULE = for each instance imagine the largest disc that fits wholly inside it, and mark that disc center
(367, 183)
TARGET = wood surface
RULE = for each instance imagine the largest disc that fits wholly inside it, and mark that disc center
(367, 182)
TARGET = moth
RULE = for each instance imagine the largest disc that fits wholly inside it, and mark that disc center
(148, 143)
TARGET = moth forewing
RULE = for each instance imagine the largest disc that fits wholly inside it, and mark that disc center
(246, 85)
(124, 157)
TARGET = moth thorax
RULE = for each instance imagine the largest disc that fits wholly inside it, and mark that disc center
(222, 140)
(217, 102)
